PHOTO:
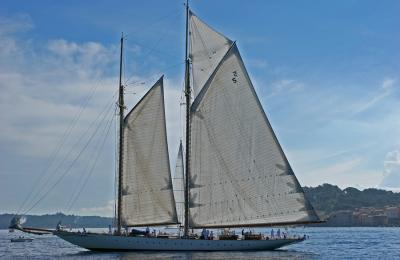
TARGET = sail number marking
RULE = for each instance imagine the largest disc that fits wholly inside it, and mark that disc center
(235, 77)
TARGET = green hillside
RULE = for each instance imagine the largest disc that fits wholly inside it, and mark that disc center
(328, 198)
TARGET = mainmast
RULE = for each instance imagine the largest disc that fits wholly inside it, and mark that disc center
(121, 138)
(187, 95)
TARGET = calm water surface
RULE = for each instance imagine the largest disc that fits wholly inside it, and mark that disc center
(324, 243)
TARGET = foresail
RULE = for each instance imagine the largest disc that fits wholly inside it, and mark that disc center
(147, 196)
(178, 184)
(207, 48)
(239, 173)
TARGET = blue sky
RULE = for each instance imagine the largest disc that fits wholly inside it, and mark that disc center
(326, 72)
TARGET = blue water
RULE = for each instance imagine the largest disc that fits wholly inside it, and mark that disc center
(324, 243)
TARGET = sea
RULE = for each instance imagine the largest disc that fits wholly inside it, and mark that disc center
(323, 243)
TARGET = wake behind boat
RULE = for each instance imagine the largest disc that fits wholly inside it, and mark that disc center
(232, 173)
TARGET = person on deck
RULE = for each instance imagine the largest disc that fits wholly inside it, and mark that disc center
(272, 233)
(203, 234)
(58, 228)
(278, 233)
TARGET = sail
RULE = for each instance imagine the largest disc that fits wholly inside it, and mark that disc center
(239, 175)
(207, 47)
(147, 196)
(178, 184)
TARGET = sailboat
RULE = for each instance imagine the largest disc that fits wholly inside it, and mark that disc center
(231, 170)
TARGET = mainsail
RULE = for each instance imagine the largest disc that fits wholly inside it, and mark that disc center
(207, 48)
(147, 196)
(239, 175)
(178, 184)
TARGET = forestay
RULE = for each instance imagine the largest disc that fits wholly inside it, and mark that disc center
(239, 173)
(178, 184)
(207, 47)
(147, 196)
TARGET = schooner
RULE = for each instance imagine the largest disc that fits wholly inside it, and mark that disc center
(234, 173)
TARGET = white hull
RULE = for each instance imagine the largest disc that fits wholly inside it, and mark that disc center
(105, 242)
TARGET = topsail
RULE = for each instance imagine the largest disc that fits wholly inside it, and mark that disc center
(147, 196)
(207, 48)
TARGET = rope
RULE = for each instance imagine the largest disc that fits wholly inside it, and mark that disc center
(58, 147)
(99, 152)
(151, 79)
(144, 28)
(153, 48)
(86, 170)
(69, 167)
(69, 153)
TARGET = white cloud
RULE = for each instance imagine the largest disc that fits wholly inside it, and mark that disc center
(345, 173)
(46, 92)
(17, 23)
(385, 89)
(341, 172)
(388, 83)
(338, 168)
(285, 86)
(257, 63)
(391, 173)
(105, 211)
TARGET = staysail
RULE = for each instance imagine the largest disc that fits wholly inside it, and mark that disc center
(207, 47)
(147, 195)
(239, 175)
(178, 184)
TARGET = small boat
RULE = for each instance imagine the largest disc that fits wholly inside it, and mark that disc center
(22, 239)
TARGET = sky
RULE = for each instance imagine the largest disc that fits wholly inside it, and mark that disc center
(326, 73)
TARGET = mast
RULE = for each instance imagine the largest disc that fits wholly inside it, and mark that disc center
(187, 148)
(121, 137)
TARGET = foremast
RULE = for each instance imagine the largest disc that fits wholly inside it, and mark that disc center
(121, 106)
(187, 144)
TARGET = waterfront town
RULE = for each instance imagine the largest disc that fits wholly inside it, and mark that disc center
(388, 216)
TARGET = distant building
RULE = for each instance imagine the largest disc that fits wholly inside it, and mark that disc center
(377, 220)
(393, 215)
(392, 212)
(363, 219)
(365, 216)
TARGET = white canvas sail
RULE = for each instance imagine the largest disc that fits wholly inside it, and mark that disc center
(207, 47)
(147, 196)
(239, 175)
(178, 184)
